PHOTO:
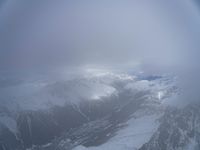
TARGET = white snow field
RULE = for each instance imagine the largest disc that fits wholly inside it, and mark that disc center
(132, 137)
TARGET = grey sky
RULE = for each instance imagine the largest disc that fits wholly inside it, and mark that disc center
(150, 33)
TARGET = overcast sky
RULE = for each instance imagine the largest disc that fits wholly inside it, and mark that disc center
(150, 34)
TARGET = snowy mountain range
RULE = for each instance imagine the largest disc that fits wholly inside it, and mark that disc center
(97, 111)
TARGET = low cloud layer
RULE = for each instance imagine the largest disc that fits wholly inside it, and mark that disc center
(152, 34)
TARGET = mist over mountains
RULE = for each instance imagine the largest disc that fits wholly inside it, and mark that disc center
(99, 75)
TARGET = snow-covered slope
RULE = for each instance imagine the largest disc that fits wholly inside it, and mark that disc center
(179, 130)
(98, 108)
(134, 135)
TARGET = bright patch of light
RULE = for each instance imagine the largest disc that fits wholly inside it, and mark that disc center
(103, 72)
(106, 91)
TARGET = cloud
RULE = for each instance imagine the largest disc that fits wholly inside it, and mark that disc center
(157, 35)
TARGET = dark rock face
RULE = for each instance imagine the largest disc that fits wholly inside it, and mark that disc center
(38, 128)
(178, 127)
(8, 140)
